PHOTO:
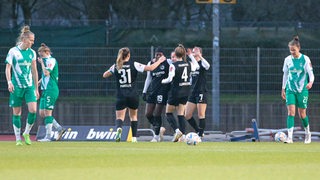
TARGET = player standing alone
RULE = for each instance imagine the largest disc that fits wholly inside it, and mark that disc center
(125, 72)
(23, 82)
(298, 78)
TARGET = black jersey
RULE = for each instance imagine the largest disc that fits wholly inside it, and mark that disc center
(198, 80)
(161, 72)
(125, 78)
(180, 85)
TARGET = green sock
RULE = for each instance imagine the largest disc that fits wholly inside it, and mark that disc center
(48, 120)
(16, 120)
(290, 122)
(305, 121)
(30, 121)
(31, 118)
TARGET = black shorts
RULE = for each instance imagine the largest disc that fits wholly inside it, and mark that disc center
(158, 99)
(198, 98)
(175, 101)
(130, 102)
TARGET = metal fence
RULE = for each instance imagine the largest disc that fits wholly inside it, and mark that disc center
(250, 86)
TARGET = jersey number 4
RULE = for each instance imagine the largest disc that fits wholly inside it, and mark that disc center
(184, 75)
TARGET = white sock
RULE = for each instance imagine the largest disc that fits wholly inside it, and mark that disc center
(17, 132)
(307, 129)
(28, 128)
(56, 125)
(48, 130)
(290, 133)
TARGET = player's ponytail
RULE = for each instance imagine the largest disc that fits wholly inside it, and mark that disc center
(122, 55)
(295, 41)
(24, 33)
(180, 52)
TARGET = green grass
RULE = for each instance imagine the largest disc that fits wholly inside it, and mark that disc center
(144, 160)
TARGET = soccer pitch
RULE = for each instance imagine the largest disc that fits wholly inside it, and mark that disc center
(165, 160)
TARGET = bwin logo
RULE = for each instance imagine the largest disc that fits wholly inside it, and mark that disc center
(69, 134)
(101, 134)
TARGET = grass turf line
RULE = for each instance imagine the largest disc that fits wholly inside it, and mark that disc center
(166, 160)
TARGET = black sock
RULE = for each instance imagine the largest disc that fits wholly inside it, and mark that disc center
(134, 128)
(119, 123)
(172, 121)
(182, 124)
(151, 120)
(193, 124)
(202, 125)
(157, 126)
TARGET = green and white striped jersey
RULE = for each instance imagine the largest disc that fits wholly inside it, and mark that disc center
(297, 72)
(50, 82)
(21, 61)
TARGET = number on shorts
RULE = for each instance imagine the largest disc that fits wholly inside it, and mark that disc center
(201, 97)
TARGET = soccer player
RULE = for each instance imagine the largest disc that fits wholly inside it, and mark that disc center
(22, 82)
(298, 78)
(198, 95)
(157, 94)
(50, 91)
(125, 72)
(179, 77)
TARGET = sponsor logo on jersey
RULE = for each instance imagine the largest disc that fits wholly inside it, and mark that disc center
(162, 67)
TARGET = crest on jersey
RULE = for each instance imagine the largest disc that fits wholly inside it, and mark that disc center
(162, 67)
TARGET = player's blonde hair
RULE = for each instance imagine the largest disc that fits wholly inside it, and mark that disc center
(180, 52)
(44, 48)
(24, 33)
(122, 55)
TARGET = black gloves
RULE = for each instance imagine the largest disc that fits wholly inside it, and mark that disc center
(144, 96)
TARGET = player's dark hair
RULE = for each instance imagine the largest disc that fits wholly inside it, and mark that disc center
(295, 42)
(122, 55)
(180, 52)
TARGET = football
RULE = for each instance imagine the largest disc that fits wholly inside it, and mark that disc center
(280, 137)
(192, 138)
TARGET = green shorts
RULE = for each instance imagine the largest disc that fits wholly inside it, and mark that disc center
(298, 99)
(17, 96)
(48, 100)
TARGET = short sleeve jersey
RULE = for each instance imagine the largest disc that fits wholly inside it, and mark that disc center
(180, 85)
(126, 78)
(297, 70)
(50, 83)
(199, 79)
(161, 72)
(21, 61)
